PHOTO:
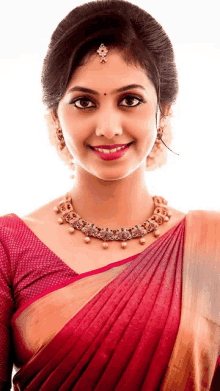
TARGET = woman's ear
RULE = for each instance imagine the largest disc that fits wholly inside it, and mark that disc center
(54, 116)
(166, 108)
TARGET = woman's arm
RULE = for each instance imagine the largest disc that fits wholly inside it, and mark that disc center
(6, 309)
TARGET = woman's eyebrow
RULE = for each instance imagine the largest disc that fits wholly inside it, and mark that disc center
(83, 89)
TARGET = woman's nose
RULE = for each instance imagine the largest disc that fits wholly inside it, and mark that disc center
(109, 124)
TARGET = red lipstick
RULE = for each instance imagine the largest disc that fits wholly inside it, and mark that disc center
(113, 155)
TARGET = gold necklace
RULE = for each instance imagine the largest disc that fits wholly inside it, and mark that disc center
(160, 215)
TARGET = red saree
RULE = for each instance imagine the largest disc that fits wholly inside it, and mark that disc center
(112, 337)
(120, 327)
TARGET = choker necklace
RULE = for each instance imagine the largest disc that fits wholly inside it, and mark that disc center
(160, 215)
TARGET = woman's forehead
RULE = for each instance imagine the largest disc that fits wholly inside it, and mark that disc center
(115, 72)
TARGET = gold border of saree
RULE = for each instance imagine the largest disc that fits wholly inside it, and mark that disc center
(46, 316)
(197, 345)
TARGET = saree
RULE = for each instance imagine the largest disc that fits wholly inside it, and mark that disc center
(117, 327)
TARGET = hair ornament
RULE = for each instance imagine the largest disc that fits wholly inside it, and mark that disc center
(102, 51)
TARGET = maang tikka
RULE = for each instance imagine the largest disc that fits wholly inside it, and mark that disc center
(102, 50)
(160, 215)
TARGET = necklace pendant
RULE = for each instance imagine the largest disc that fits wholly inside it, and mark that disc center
(89, 230)
(123, 235)
(142, 241)
(156, 233)
(124, 245)
(106, 235)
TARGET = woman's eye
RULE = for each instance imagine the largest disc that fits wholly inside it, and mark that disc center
(85, 101)
(132, 98)
(83, 105)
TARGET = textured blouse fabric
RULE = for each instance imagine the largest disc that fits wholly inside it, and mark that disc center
(29, 267)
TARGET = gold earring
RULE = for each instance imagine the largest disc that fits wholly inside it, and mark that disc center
(60, 138)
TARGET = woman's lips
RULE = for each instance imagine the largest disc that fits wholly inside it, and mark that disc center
(113, 155)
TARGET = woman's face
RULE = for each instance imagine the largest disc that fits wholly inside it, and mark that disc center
(108, 116)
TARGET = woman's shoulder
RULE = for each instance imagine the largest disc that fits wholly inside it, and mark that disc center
(203, 217)
(13, 228)
(42, 213)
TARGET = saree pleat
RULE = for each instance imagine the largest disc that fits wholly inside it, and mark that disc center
(119, 338)
(131, 345)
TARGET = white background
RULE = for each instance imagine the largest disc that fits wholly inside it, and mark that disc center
(31, 174)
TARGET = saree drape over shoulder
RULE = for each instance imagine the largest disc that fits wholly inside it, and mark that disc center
(149, 322)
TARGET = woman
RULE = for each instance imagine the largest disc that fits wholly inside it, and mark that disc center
(75, 313)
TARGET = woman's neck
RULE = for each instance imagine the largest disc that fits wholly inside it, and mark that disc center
(112, 203)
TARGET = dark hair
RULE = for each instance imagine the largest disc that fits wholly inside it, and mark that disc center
(118, 24)
(122, 26)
